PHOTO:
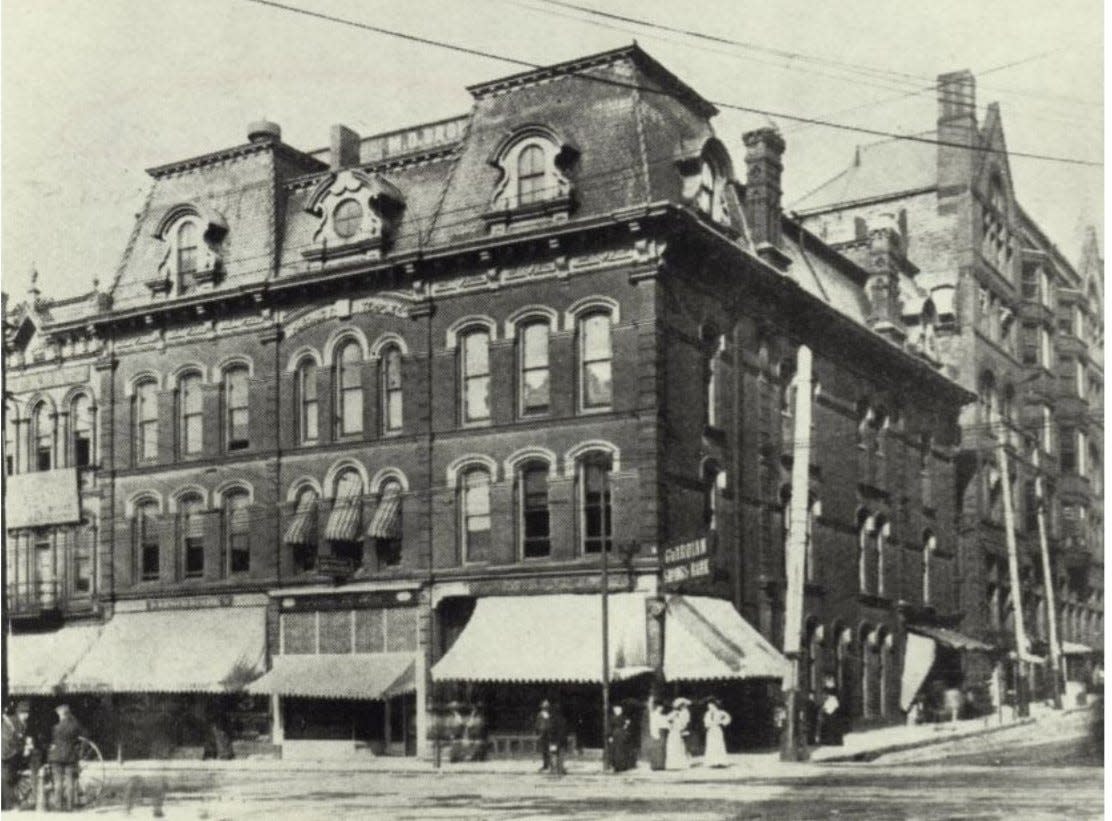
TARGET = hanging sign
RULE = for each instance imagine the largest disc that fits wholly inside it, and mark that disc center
(687, 561)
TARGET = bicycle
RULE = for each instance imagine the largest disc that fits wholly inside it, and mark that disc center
(90, 778)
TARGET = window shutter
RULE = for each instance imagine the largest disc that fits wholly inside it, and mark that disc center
(127, 569)
(290, 415)
(503, 531)
(261, 422)
(446, 529)
(168, 558)
(625, 368)
(167, 427)
(625, 524)
(415, 400)
(264, 541)
(563, 377)
(124, 437)
(214, 533)
(504, 381)
(446, 404)
(211, 428)
(562, 519)
(326, 423)
(371, 399)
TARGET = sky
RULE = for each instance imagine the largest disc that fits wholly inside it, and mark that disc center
(92, 92)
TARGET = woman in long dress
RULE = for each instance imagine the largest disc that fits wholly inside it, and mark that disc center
(675, 754)
(658, 733)
(714, 719)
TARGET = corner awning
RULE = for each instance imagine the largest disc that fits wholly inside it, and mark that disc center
(1072, 648)
(39, 662)
(372, 676)
(551, 638)
(215, 650)
(950, 638)
(706, 639)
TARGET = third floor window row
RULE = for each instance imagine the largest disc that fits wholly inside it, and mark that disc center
(49, 437)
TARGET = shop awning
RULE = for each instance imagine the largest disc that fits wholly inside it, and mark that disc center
(343, 522)
(919, 654)
(362, 676)
(39, 662)
(214, 650)
(300, 529)
(384, 524)
(547, 639)
(707, 638)
(1072, 648)
(950, 638)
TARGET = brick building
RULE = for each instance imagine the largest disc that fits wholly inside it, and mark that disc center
(1020, 326)
(368, 418)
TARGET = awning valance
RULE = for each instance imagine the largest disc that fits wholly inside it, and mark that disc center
(559, 638)
(38, 663)
(343, 522)
(384, 524)
(547, 638)
(302, 523)
(359, 676)
(950, 638)
(707, 638)
(214, 650)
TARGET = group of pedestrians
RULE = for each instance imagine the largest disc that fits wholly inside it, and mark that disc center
(19, 753)
(670, 734)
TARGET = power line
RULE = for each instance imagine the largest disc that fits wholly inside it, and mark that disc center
(649, 90)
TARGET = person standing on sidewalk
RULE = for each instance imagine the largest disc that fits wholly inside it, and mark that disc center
(62, 757)
(714, 719)
(675, 756)
(14, 744)
(658, 733)
(552, 735)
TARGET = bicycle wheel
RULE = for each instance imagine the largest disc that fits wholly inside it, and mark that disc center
(25, 790)
(90, 773)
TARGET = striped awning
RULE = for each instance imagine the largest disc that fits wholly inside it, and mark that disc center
(303, 522)
(343, 522)
(385, 523)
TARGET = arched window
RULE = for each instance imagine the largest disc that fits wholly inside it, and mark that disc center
(711, 497)
(347, 219)
(84, 548)
(865, 643)
(883, 532)
(812, 567)
(191, 526)
(530, 175)
(476, 514)
(42, 432)
(595, 503)
(307, 405)
(191, 414)
(345, 524)
(147, 548)
(236, 414)
(533, 515)
(82, 420)
(713, 346)
(301, 530)
(386, 524)
(595, 361)
(708, 186)
(145, 405)
(391, 366)
(11, 439)
(866, 424)
(349, 388)
(929, 545)
(237, 531)
(188, 244)
(866, 527)
(475, 367)
(533, 359)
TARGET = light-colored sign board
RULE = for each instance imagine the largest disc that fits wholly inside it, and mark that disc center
(43, 498)
(686, 561)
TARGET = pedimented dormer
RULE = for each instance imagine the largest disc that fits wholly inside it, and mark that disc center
(357, 212)
(535, 163)
(191, 235)
(708, 180)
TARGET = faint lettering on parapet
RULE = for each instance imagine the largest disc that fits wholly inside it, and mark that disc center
(345, 308)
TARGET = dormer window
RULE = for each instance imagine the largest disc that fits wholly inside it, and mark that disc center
(358, 213)
(706, 172)
(192, 235)
(346, 218)
(534, 186)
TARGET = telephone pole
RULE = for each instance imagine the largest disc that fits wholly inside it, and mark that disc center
(1048, 586)
(792, 747)
(1013, 566)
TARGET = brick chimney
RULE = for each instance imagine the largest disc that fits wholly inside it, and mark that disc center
(764, 151)
(957, 123)
(345, 148)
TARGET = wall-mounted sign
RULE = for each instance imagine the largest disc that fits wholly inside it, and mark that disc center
(687, 561)
(189, 602)
(338, 567)
(43, 498)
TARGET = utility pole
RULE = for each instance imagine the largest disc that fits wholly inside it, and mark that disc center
(1013, 567)
(792, 747)
(1048, 586)
(605, 655)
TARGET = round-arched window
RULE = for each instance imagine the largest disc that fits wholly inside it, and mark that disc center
(347, 218)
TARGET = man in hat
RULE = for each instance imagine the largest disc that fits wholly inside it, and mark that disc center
(14, 746)
(551, 737)
(62, 756)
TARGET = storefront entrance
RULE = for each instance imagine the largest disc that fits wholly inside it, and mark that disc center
(338, 728)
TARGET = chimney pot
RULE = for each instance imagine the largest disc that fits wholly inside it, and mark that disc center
(264, 131)
(345, 147)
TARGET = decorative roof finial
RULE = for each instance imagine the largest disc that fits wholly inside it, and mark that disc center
(33, 288)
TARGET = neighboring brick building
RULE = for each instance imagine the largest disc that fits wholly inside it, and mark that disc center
(1014, 326)
(360, 410)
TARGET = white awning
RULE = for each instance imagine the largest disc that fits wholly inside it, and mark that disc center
(547, 638)
(43, 498)
(214, 650)
(918, 658)
(707, 638)
(39, 662)
(371, 676)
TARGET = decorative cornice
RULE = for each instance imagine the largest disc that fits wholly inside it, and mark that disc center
(234, 153)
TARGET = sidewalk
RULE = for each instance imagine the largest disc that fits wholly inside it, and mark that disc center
(860, 746)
